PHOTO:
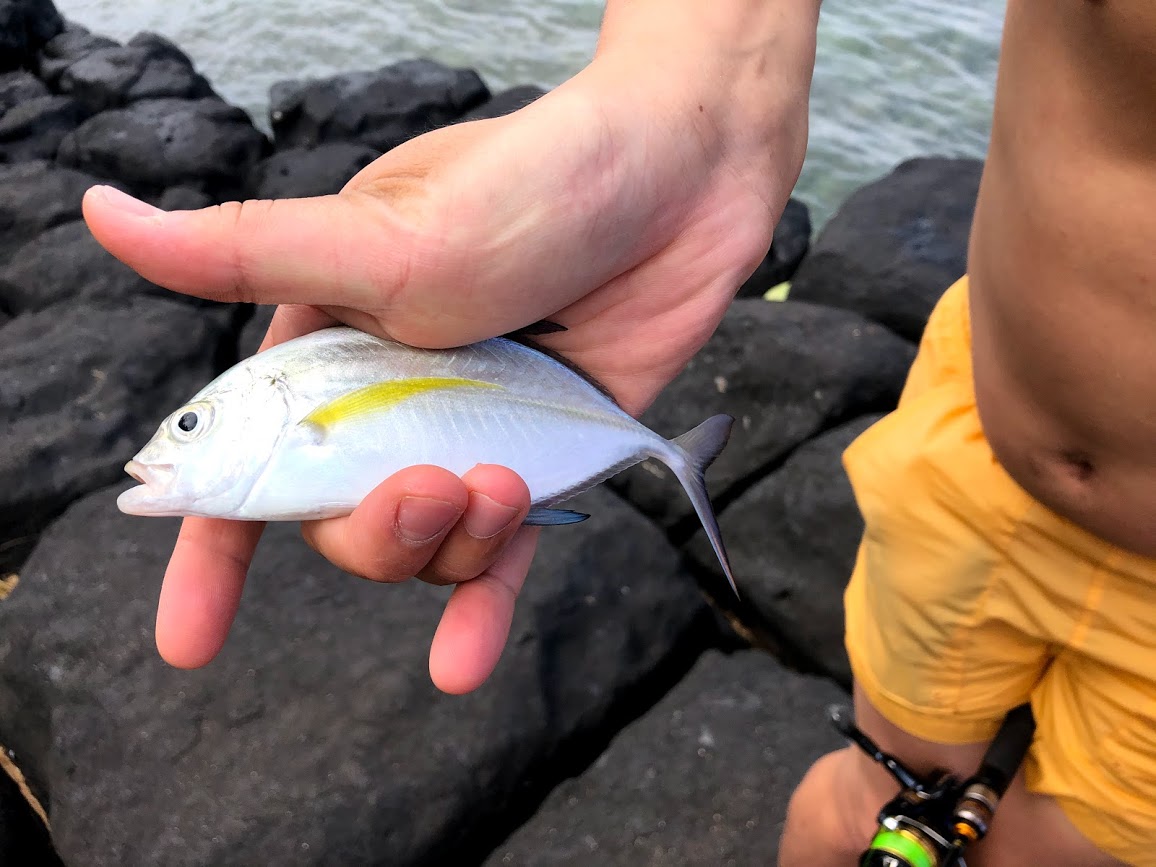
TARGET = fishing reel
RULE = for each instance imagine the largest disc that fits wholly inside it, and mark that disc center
(933, 819)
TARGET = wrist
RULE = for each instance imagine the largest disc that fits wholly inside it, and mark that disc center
(742, 66)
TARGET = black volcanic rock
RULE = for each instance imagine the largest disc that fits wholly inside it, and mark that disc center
(895, 245)
(301, 172)
(380, 109)
(157, 143)
(785, 371)
(788, 247)
(316, 737)
(25, 25)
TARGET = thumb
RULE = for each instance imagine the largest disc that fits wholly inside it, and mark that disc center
(321, 251)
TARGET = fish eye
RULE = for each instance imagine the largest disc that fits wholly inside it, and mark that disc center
(190, 422)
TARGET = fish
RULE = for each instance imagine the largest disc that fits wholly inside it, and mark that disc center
(306, 429)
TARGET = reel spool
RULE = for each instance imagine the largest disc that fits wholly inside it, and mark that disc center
(933, 819)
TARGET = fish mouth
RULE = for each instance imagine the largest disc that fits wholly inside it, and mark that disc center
(150, 497)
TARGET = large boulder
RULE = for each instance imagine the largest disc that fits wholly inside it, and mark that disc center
(19, 86)
(35, 196)
(314, 171)
(895, 245)
(789, 245)
(67, 47)
(316, 737)
(792, 540)
(34, 129)
(785, 371)
(149, 67)
(25, 25)
(703, 778)
(380, 109)
(84, 387)
(152, 144)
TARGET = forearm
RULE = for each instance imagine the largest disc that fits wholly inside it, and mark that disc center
(746, 65)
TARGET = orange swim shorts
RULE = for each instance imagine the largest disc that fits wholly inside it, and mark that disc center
(969, 597)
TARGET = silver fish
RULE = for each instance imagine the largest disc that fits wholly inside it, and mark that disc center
(308, 428)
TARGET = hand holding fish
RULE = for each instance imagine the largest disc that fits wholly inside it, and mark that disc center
(621, 207)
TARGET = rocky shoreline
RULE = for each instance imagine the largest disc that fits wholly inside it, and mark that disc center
(640, 714)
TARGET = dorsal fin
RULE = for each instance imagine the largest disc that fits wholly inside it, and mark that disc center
(534, 329)
(520, 338)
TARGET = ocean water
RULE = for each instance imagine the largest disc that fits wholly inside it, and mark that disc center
(893, 79)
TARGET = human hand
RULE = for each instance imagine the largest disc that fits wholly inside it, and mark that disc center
(626, 210)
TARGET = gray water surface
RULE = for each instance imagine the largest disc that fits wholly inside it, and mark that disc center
(894, 78)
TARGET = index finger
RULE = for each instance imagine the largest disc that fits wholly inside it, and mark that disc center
(202, 588)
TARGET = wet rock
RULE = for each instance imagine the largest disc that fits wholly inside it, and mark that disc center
(35, 196)
(785, 371)
(380, 109)
(34, 129)
(504, 102)
(788, 247)
(316, 737)
(19, 86)
(60, 52)
(23, 838)
(316, 171)
(84, 386)
(25, 25)
(895, 245)
(205, 144)
(149, 67)
(66, 263)
(703, 778)
(792, 539)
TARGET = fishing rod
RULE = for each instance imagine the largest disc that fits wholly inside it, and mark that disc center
(934, 818)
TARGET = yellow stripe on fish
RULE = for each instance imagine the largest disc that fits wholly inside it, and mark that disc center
(383, 395)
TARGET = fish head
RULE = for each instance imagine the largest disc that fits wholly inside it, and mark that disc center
(206, 456)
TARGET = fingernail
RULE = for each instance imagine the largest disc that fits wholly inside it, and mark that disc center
(419, 519)
(486, 518)
(125, 203)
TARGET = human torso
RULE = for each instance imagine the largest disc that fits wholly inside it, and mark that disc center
(1063, 264)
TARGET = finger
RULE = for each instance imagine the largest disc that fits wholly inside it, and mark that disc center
(396, 530)
(202, 588)
(327, 250)
(498, 503)
(476, 623)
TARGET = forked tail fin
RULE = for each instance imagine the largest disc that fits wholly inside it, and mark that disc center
(696, 450)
